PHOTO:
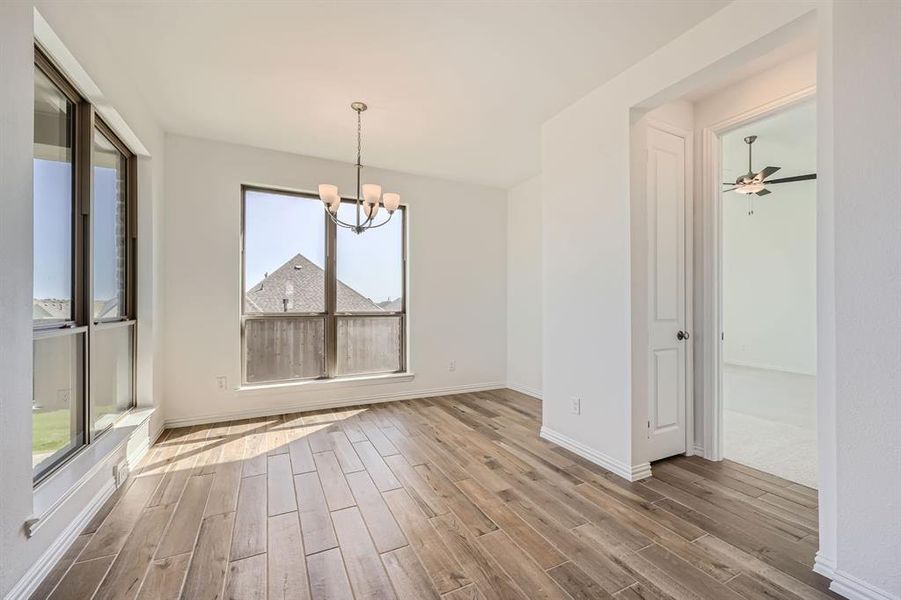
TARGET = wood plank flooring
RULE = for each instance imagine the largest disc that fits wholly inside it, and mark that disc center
(453, 497)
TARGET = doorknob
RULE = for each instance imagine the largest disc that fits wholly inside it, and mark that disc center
(683, 335)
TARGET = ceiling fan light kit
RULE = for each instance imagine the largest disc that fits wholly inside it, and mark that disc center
(754, 184)
(369, 195)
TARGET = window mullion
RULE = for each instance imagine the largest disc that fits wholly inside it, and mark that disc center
(84, 132)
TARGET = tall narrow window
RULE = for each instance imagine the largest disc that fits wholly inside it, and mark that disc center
(310, 312)
(83, 308)
(113, 339)
(58, 403)
(370, 297)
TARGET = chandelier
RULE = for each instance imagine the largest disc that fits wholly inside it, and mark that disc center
(369, 195)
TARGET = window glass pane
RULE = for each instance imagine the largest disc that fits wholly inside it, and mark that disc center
(53, 131)
(110, 229)
(369, 345)
(112, 374)
(370, 265)
(284, 253)
(57, 420)
(281, 349)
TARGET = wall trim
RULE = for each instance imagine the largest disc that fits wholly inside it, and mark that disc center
(712, 323)
(747, 364)
(42, 566)
(523, 389)
(626, 471)
(36, 573)
(824, 565)
(856, 589)
(307, 405)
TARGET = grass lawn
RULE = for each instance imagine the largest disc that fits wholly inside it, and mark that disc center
(50, 430)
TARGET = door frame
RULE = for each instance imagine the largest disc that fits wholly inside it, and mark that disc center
(711, 197)
(688, 243)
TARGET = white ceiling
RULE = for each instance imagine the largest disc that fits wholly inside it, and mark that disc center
(786, 140)
(455, 89)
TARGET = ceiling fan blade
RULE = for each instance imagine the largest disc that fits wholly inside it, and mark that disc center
(730, 189)
(794, 178)
(764, 192)
(764, 173)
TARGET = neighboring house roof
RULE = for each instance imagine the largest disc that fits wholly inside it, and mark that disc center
(105, 308)
(299, 286)
(50, 308)
(390, 305)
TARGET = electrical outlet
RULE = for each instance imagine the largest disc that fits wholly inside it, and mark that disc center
(452, 366)
(222, 382)
(576, 406)
(120, 473)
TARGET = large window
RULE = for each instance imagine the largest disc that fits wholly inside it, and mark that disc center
(83, 307)
(319, 301)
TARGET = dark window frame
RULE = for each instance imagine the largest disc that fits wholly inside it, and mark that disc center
(82, 322)
(331, 315)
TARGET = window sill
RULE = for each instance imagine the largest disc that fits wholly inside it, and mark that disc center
(319, 384)
(53, 492)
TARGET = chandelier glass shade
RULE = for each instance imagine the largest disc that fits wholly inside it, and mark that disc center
(369, 198)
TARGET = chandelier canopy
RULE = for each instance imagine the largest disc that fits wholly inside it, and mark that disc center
(369, 195)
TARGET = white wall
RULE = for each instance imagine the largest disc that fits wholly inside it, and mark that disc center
(769, 280)
(778, 81)
(16, 134)
(524, 287)
(587, 224)
(18, 554)
(457, 280)
(866, 57)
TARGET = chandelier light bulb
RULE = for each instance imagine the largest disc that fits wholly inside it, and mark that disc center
(328, 193)
(371, 193)
(391, 201)
(371, 210)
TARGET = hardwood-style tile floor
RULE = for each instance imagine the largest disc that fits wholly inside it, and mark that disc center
(454, 497)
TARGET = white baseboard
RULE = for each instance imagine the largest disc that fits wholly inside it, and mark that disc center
(847, 585)
(824, 565)
(697, 450)
(627, 472)
(766, 367)
(306, 405)
(522, 389)
(855, 589)
(36, 573)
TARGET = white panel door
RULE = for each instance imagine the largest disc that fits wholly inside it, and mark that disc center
(667, 342)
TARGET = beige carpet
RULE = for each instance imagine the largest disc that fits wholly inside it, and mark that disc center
(769, 422)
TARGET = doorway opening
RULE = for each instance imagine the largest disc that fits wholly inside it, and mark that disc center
(767, 292)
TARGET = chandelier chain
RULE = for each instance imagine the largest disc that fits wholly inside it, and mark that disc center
(359, 137)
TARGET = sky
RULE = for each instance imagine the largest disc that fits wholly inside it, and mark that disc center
(53, 231)
(278, 226)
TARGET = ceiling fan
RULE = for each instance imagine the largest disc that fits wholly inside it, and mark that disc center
(755, 183)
